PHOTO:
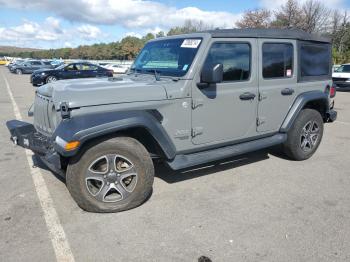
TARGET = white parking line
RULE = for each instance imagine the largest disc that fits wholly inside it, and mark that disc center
(55, 229)
(343, 123)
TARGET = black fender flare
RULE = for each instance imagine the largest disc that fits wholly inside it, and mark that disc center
(86, 127)
(300, 103)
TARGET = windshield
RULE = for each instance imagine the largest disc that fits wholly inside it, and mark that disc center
(343, 69)
(61, 66)
(170, 57)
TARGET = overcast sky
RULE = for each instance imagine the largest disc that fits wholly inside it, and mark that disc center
(66, 23)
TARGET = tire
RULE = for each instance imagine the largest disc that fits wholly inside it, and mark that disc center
(50, 79)
(89, 175)
(305, 135)
(19, 72)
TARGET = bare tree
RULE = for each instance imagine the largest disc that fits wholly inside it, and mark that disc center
(288, 16)
(315, 16)
(190, 26)
(260, 18)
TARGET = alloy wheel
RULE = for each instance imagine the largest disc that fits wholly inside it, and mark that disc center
(309, 136)
(111, 178)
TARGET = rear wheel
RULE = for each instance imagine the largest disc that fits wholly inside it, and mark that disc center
(111, 176)
(305, 135)
(50, 79)
(19, 71)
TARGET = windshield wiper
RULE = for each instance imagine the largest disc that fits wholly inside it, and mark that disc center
(157, 75)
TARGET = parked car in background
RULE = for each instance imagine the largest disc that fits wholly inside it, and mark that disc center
(341, 77)
(3, 61)
(118, 69)
(70, 71)
(28, 67)
(14, 63)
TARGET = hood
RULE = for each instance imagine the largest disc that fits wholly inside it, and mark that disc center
(341, 75)
(41, 70)
(101, 91)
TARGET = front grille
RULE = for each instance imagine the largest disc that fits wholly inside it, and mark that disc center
(42, 112)
(338, 79)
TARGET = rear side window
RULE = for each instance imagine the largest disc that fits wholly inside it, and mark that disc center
(277, 60)
(235, 58)
(36, 63)
(314, 60)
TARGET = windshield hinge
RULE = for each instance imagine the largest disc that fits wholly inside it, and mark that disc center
(196, 103)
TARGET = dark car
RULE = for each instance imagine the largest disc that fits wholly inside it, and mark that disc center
(29, 67)
(70, 71)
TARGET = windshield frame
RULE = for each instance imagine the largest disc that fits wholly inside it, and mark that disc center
(158, 71)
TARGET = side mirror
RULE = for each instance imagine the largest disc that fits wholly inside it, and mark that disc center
(212, 74)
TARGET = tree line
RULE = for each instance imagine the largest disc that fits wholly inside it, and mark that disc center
(312, 16)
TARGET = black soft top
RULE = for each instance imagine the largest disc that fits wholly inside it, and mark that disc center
(268, 33)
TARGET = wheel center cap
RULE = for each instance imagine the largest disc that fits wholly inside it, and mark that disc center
(111, 177)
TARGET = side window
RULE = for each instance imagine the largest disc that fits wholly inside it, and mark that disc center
(235, 58)
(36, 63)
(72, 67)
(314, 60)
(277, 60)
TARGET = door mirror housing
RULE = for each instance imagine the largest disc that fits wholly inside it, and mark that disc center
(212, 74)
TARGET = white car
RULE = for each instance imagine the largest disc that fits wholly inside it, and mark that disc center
(341, 77)
(118, 69)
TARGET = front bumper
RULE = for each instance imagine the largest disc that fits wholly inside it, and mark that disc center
(342, 85)
(37, 80)
(25, 135)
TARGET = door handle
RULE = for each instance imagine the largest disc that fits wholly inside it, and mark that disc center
(247, 96)
(287, 91)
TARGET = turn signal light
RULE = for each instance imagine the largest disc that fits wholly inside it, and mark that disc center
(72, 145)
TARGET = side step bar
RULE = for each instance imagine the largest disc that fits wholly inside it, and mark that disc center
(190, 160)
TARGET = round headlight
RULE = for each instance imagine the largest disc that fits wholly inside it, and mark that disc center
(43, 73)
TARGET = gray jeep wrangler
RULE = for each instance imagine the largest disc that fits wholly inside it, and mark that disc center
(187, 100)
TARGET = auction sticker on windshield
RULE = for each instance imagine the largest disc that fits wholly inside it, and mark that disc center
(191, 43)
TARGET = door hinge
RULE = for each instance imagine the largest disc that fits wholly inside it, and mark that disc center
(196, 103)
(262, 96)
(260, 121)
(196, 131)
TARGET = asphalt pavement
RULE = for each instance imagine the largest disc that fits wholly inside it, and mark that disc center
(260, 207)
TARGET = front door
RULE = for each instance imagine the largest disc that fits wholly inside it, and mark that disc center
(227, 111)
(277, 82)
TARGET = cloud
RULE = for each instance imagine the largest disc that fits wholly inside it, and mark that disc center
(132, 14)
(30, 30)
(89, 32)
(49, 31)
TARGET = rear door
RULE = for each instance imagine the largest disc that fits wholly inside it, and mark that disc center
(223, 112)
(277, 82)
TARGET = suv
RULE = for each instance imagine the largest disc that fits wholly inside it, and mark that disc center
(187, 100)
(29, 67)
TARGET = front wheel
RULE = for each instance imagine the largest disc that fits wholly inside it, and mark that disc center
(19, 71)
(305, 135)
(111, 176)
(50, 79)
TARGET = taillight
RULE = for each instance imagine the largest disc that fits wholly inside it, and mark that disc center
(331, 90)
